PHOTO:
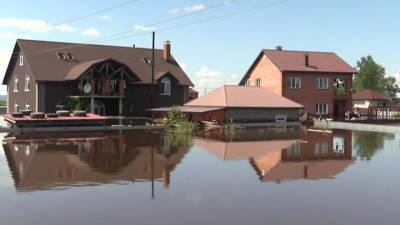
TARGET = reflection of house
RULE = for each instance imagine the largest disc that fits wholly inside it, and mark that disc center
(309, 155)
(105, 79)
(321, 81)
(40, 163)
(370, 98)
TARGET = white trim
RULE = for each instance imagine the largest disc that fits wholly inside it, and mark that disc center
(166, 90)
(15, 85)
(258, 82)
(296, 80)
(37, 98)
(27, 85)
(21, 60)
(318, 83)
(319, 107)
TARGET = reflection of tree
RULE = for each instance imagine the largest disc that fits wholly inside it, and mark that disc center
(179, 137)
(368, 143)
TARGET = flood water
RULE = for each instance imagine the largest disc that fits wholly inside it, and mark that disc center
(217, 177)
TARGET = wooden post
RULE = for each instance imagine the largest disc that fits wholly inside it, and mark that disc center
(152, 72)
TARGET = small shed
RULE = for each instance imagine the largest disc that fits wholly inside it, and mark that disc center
(370, 98)
(240, 104)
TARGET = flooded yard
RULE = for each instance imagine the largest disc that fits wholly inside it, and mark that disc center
(219, 176)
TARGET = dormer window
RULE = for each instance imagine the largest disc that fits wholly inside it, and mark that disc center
(27, 83)
(146, 60)
(21, 60)
(16, 85)
(165, 86)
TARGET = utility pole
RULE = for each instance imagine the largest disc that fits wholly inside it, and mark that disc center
(152, 72)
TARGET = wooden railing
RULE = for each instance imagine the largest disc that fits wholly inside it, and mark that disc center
(384, 113)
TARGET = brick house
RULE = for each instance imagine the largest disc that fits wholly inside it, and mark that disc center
(321, 81)
(106, 80)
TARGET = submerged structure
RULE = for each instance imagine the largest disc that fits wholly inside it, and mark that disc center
(44, 76)
(321, 81)
(239, 104)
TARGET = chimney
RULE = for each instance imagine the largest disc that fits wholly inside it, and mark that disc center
(279, 48)
(167, 51)
(306, 60)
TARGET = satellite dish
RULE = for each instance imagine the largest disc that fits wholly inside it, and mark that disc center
(87, 88)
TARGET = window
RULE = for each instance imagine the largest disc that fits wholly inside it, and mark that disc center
(16, 107)
(27, 83)
(27, 106)
(146, 60)
(16, 85)
(165, 86)
(258, 82)
(21, 60)
(293, 150)
(321, 149)
(321, 109)
(294, 82)
(248, 82)
(322, 83)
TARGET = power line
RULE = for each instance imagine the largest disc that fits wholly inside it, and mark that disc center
(209, 19)
(132, 30)
(169, 28)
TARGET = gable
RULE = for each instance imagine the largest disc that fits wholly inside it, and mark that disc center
(43, 60)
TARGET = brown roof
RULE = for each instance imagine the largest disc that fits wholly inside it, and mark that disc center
(318, 61)
(294, 61)
(243, 97)
(369, 94)
(46, 66)
(190, 109)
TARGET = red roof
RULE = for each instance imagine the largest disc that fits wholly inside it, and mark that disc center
(243, 97)
(318, 61)
(369, 94)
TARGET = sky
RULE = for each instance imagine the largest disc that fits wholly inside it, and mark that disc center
(214, 41)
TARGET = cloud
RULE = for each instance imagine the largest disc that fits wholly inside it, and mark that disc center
(25, 24)
(194, 8)
(34, 25)
(189, 9)
(143, 28)
(105, 17)
(208, 79)
(91, 32)
(9, 35)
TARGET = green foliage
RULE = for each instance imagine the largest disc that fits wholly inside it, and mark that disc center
(3, 103)
(77, 105)
(391, 88)
(175, 116)
(370, 75)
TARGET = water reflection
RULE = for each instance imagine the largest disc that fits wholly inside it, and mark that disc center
(58, 160)
(367, 144)
(282, 154)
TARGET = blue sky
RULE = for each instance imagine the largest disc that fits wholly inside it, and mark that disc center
(221, 50)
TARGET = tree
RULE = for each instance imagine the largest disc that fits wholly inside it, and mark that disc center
(370, 75)
(391, 88)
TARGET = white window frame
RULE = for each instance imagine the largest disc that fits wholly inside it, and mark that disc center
(321, 149)
(15, 88)
(248, 82)
(258, 82)
(27, 106)
(21, 60)
(166, 86)
(16, 107)
(27, 83)
(322, 83)
(294, 82)
(319, 108)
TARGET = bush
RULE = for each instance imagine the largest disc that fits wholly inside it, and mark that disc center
(175, 116)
